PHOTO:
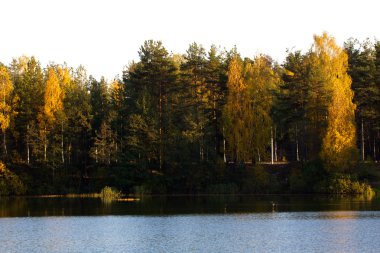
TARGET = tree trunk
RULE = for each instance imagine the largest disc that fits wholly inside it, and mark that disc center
(363, 155)
(116, 150)
(62, 151)
(275, 144)
(45, 145)
(217, 148)
(271, 144)
(224, 147)
(70, 153)
(27, 144)
(374, 148)
(297, 147)
(258, 155)
(160, 115)
(4, 133)
(201, 151)
(5, 143)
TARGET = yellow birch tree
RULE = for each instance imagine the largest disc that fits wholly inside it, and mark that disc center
(6, 88)
(338, 144)
(53, 104)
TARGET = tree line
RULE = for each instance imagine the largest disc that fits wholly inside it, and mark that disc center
(183, 122)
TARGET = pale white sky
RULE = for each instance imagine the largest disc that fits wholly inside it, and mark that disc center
(105, 35)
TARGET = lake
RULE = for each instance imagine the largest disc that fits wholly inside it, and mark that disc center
(191, 224)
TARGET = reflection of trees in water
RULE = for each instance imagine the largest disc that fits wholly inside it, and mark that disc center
(13, 207)
(166, 205)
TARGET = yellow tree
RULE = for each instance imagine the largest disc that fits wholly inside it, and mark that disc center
(338, 144)
(247, 111)
(64, 76)
(6, 88)
(234, 110)
(262, 80)
(52, 105)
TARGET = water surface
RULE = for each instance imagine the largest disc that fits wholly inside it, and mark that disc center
(191, 224)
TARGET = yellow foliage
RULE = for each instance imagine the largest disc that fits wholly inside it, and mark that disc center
(247, 111)
(6, 88)
(53, 96)
(338, 145)
(64, 76)
(288, 72)
(117, 93)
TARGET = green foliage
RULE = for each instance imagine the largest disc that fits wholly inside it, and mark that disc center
(344, 184)
(259, 180)
(302, 179)
(192, 123)
(10, 183)
(297, 181)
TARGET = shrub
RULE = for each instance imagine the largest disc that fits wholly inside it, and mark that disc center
(109, 193)
(258, 180)
(344, 184)
(10, 183)
(297, 182)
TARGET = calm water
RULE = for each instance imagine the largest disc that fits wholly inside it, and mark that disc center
(191, 224)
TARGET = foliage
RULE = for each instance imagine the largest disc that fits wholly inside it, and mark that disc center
(247, 110)
(259, 180)
(10, 183)
(338, 144)
(344, 184)
(198, 122)
(109, 193)
(6, 87)
(302, 179)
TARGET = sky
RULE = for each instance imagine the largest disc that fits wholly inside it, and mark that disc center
(105, 35)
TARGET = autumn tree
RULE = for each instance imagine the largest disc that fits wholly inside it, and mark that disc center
(235, 114)
(53, 105)
(339, 141)
(262, 81)
(6, 87)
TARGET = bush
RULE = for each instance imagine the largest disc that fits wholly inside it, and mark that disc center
(297, 181)
(259, 180)
(303, 179)
(10, 183)
(343, 184)
(109, 193)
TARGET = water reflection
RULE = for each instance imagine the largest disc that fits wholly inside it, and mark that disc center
(172, 205)
(328, 231)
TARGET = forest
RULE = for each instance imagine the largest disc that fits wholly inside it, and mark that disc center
(206, 121)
